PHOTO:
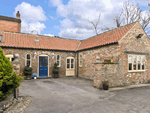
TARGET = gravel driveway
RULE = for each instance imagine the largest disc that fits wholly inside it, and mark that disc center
(75, 95)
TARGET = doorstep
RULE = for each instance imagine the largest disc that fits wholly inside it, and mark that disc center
(128, 87)
(43, 77)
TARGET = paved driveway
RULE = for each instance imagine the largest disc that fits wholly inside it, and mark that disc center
(74, 95)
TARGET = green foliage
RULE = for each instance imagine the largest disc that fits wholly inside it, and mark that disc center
(27, 70)
(56, 71)
(8, 79)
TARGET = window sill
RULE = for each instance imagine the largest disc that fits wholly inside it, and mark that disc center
(137, 71)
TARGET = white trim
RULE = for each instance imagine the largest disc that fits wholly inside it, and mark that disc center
(70, 65)
(26, 60)
(127, 32)
(38, 64)
(136, 63)
(9, 56)
(59, 60)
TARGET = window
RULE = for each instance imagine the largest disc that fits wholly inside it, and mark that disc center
(0, 38)
(136, 62)
(80, 61)
(70, 63)
(10, 57)
(28, 60)
(58, 61)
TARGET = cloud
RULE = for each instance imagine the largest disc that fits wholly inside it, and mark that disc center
(31, 17)
(76, 12)
(49, 35)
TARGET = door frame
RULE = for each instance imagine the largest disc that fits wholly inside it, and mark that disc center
(38, 64)
(73, 65)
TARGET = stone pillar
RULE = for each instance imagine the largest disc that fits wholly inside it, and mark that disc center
(16, 68)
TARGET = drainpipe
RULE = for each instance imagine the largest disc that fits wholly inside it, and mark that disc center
(77, 58)
(77, 64)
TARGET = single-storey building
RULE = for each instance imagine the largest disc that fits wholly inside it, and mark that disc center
(119, 56)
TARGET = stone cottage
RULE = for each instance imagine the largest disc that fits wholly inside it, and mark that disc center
(120, 56)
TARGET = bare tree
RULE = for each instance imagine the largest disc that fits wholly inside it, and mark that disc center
(117, 18)
(131, 13)
(95, 25)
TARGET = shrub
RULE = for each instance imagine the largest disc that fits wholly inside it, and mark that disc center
(27, 71)
(56, 71)
(8, 79)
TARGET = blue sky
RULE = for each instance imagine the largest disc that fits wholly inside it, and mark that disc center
(64, 18)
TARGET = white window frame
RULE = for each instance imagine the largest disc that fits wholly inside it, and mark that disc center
(9, 56)
(28, 59)
(133, 55)
(59, 60)
(80, 60)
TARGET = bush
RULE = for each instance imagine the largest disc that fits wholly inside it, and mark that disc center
(27, 71)
(56, 71)
(8, 79)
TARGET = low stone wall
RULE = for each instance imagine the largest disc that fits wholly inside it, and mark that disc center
(6, 103)
(107, 72)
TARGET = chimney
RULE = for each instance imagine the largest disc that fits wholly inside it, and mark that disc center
(18, 14)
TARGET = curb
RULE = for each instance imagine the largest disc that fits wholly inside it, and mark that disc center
(128, 87)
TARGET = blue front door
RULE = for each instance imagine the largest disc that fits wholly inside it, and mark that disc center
(43, 66)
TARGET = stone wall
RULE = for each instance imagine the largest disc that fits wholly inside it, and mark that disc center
(34, 62)
(106, 72)
(110, 52)
(131, 43)
(117, 74)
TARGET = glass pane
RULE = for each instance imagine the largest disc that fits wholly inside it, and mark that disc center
(130, 59)
(134, 66)
(41, 61)
(80, 62)
(28, 62)
(57, 57)
(139, 59)
(81, 56)
(134, 59)
(72, 60)
(28, 56)
(45, 61)
(72, 66)
(68, 65)
(68, 60)
(142, 59)
(130, 66)
(139, 66)
(58, 63)
(143, 67)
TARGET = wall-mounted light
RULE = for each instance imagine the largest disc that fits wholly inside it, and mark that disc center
(53, 55)
(35, 55)
(139, 36)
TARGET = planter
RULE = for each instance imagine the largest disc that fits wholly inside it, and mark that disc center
(105, 86)
(55, 75)
(34, 76)
(28, 77)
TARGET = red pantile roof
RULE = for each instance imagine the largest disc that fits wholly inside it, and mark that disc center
(106, 38)
(21, 40)
(28, 41)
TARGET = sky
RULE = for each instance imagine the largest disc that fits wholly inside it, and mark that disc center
(64, 18)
